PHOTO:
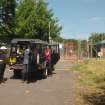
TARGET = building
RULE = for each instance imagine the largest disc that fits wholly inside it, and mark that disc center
(99, 49)
(69, 49)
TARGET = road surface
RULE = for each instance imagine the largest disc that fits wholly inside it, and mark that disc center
(55, 90)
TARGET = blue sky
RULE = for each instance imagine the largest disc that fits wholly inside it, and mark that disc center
(79, 18)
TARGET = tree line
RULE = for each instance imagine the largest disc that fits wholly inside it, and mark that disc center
(28, 19)
(83, 46)
(33, 19)
(96, 37)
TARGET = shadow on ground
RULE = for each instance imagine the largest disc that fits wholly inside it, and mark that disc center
(97, 98)
(32, 78)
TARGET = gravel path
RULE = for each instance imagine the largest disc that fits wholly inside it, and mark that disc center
(55, 90)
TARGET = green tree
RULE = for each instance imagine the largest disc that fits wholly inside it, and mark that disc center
(96, 37)
(33, 19)
(7, 25)
(73, 41)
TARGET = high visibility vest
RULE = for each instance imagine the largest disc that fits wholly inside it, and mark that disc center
(12, 60)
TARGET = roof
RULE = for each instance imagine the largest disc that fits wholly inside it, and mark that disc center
(100, 43)
(28, 40)
(54, 43)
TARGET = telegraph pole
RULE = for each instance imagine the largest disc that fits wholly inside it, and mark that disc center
(88, 49)
(49, 35)
(91, 47)
(79, 49)
(1, 13)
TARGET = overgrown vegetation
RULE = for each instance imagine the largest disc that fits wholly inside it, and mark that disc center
(92, 81)
(92, 71)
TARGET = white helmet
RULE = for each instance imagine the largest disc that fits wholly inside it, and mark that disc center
(3, 48)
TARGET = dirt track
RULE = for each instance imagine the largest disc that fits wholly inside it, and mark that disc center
(55, 90)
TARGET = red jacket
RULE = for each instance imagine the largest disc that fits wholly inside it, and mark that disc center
(48, 54)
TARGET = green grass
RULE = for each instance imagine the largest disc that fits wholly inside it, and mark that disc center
(91, 71)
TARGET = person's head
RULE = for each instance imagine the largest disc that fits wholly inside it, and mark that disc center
(3, 50)
(33, 47)
(47, 47)
(27, 50)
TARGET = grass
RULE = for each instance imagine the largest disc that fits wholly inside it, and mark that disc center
(92, 71)
(91, 82)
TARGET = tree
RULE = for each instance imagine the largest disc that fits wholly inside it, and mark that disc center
(96, 37)
(33, 18)
(73, 41)
(7, 18)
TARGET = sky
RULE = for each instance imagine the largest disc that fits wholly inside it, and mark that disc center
(79, 18)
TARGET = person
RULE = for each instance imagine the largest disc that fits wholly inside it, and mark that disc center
(48, 59)
(2, 64)
(25, 62)
(12, 58)
(32, 71)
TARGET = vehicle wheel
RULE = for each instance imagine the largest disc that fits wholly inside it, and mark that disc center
(45, 73)
(17, 73)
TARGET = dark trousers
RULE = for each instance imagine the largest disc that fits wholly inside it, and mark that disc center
(28, 72)
(32, 72)
(25, 72)
(48, 65)
(2, 70)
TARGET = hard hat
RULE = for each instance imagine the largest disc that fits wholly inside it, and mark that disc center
(3, 48)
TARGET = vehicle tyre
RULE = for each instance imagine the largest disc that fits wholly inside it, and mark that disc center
(50, 72)
(45, 73)
(17, 73)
